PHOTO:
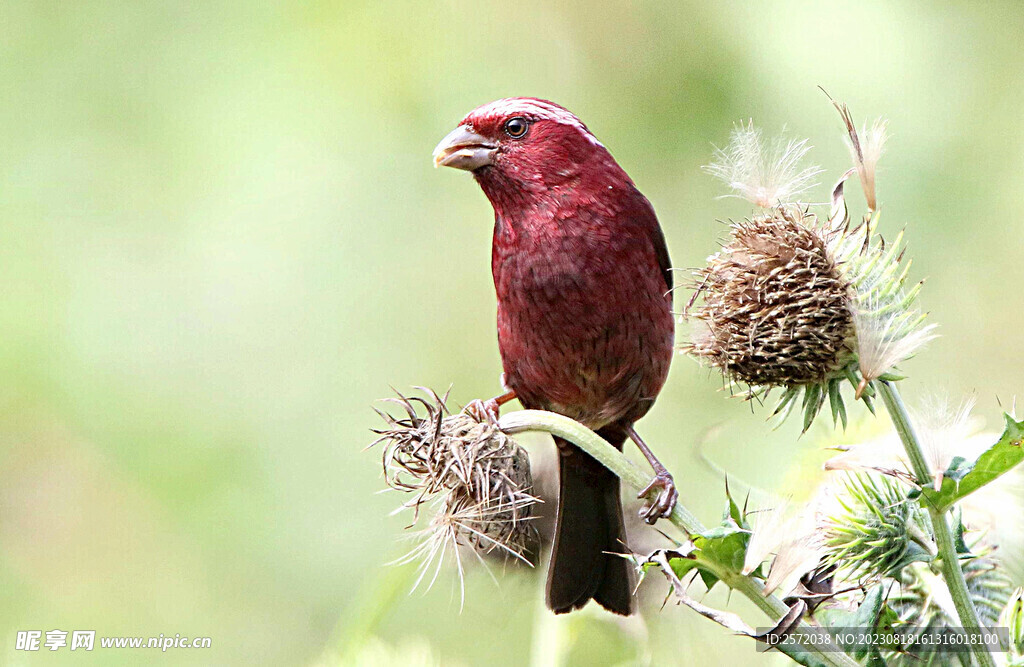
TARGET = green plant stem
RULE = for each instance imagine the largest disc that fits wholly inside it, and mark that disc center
(951, 571)
(595, 445)
(548, 422)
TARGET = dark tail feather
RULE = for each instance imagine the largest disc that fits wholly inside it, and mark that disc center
(589, 525)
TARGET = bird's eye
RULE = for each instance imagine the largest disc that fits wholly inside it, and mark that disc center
(516, 127)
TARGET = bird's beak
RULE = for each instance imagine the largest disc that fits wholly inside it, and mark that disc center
(464, 149)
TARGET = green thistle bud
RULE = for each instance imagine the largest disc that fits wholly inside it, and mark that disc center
(1012, 617)
(876, 530)
(476, 479)
(922, 600)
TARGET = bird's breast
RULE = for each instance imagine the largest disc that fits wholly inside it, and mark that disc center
(584, 324)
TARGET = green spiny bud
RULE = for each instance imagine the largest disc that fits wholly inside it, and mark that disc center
(922, 601)
(1012, 617)
(876, 529)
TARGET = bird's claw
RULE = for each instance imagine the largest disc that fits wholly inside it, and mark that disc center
(664, 503)
(481, 410)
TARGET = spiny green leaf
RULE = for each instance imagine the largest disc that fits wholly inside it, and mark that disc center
(958, 535)
(725, 545)
(868, 615)
(732, 510)
(963, 478)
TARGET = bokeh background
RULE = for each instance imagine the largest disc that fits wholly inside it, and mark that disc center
(221, 239)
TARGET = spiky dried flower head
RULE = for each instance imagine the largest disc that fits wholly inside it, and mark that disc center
(774, 304)
(804, 304)
(475, 479)
(767, 173)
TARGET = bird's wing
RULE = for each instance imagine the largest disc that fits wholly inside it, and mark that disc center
(661, 251)
(643, 214)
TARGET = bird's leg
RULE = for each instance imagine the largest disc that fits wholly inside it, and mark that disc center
(663, 505)
(488, 410)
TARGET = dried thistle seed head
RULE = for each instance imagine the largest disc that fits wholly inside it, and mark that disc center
(774, 304)
(805, 305)
(495, 516)
(875, 529)
(475, 478)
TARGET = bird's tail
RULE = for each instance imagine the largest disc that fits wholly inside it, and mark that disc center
(588, 533)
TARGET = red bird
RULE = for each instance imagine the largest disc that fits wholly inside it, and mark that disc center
(585, 322)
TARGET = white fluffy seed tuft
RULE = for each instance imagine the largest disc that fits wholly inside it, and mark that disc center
(766, 173)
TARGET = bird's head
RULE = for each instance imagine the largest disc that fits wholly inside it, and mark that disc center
(524, 145)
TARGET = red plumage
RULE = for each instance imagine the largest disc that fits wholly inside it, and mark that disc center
(585, 326)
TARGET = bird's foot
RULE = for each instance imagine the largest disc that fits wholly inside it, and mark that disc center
(664, 503)
(482, 410)
(488, 410)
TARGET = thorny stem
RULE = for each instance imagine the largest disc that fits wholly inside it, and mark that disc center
(615, 461)
(950, 561)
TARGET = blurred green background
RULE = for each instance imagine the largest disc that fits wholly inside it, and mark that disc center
(221, 239)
